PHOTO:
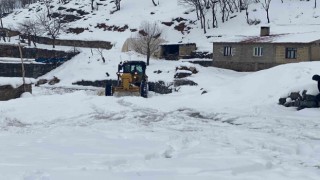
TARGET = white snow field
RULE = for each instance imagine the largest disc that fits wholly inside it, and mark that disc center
(236, 131)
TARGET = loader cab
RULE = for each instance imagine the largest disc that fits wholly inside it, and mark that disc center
(133, 67)
(136, 70)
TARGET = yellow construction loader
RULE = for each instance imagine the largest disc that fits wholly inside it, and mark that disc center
(132, 80)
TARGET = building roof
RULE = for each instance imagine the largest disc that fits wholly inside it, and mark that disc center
(177, 44)
(306, 37)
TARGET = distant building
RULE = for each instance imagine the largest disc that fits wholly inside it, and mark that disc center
(265, 51)
(177, 51)
(168, 51)
(129, 45)
(4, 32)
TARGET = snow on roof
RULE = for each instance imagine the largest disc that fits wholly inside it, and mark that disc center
(176, 44)
(306, 37)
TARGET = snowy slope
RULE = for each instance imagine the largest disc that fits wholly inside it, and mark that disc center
(80, 135)
(234, 131)
(291, 16)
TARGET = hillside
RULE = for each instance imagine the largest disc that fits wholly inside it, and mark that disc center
(227, 127)
(296, 17)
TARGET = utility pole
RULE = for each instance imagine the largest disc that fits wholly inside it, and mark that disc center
(22, 68)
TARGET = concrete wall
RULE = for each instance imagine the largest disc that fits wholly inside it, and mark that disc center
(186, 49)
(202, 63)
(7, 92)
(13, 51)
(73, 43)
(31, 70)
(315, 51)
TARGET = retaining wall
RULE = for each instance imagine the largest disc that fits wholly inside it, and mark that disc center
(31, 70)
(73, 43)
(8, 92)
(243, 66)
(13, 51)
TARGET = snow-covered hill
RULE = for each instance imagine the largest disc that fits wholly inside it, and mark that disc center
(287, 16)
(234, 131)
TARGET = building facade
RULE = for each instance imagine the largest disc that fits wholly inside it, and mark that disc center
(263, 52)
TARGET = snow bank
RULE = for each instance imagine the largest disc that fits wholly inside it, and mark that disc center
(14, 81)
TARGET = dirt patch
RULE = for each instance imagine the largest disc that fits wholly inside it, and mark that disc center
(167, 23)
(181, 27)
(112, 28)
(77, 30)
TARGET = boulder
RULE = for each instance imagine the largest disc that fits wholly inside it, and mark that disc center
(182, 74)
(295, 99)
(54, 81)
(41, 81)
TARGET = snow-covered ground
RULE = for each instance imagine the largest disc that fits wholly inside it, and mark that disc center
(14, 81)
(236, 131)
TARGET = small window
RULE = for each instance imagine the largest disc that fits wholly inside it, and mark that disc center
(257, 51)
(291, 53)
(227, 51)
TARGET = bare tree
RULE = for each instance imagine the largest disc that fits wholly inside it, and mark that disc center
(8, 5)
(192, 3)
(100, 52)
(92, 8)
(30, 28)
(148, 39)
(118, 6)
(51, 26)
(24, 3)
(154, 3)
(245, 6)
(24, 28)
(2, 33)
(201, 6)
(266, 6)
(47, 3)
(1, 14)
(213, 4)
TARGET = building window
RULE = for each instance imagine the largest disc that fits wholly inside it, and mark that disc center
(291, 53)
(227, 51)
(257, 51)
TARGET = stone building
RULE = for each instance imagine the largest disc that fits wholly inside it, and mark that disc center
(8, 33)
(177, 51)
(265, 51)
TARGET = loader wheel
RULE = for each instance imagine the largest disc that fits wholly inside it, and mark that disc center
(109, 89)
(144, 89)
